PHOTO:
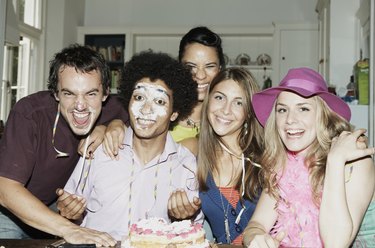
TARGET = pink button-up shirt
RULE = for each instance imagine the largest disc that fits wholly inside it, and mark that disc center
(112, 199)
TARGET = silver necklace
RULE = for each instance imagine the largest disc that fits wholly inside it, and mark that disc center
(192, 123)
(242, 159)
(226, 221)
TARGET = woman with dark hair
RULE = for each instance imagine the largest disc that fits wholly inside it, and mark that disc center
(201, 51)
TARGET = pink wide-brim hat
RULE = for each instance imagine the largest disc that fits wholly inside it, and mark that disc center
(304, 82)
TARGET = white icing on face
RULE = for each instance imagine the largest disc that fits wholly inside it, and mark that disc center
(150, 102)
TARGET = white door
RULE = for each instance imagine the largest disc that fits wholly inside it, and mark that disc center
(298, 48)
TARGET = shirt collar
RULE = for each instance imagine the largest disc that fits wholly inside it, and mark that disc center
(170, 148)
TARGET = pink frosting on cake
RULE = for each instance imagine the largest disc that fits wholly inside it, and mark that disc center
(161, 227)
(156, 232)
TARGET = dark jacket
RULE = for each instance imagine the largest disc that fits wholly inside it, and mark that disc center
(212, 207)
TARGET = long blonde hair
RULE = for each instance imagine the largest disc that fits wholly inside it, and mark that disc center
(274, 158)
(250, 138)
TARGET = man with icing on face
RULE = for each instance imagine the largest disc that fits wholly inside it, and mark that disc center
(157, 91)
(38, 151)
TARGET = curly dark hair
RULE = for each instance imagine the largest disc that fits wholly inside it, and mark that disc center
(160, 66)
(83, 59)
(204, 36)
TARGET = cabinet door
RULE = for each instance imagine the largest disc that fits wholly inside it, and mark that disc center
(298, 48)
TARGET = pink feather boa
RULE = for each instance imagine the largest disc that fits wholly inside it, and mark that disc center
(298, 215)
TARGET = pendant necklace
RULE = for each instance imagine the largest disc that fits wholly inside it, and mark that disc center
(242, 159)
(226, 221)
(193, 124)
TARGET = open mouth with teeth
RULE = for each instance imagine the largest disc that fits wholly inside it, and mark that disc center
(202, 86)
(295, 133)
(145, 123)
(223, 121)
(81, 119)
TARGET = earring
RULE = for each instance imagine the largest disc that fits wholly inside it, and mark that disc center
(245, 126)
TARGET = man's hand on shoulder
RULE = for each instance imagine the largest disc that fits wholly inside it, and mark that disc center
(113, 138)
(96, 138)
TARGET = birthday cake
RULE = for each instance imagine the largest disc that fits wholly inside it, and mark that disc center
(158, 233)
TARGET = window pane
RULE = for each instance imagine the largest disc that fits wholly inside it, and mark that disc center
(21, 10)
(23, 76)
(29, 12)
(14, 64)
(9, 82)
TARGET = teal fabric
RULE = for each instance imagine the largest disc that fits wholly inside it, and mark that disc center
(366, 234)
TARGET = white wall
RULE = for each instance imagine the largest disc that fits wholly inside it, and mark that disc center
(62, 19)
(74, 16)
(170, 13)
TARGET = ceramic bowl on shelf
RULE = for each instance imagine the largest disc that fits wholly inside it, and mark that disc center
(264, 59)
(243, 59)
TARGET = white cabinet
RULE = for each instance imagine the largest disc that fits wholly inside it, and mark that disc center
(285, 45)
(346, 34)
(366, 17)
(255, 43)
(366, 39)
(252, 41)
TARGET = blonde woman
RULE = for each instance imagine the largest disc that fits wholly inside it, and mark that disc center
(318, 180)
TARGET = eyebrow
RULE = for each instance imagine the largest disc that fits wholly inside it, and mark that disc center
(157, 89)
(192, 63)
(218, 91)
(298, 104)
(90, 91)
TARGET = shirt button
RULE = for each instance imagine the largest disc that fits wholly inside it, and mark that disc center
(238, 229)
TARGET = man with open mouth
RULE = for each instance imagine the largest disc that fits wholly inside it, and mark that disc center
(157, 91)
(38, 151)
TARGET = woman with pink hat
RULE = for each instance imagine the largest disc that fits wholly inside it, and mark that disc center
(319, 180)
